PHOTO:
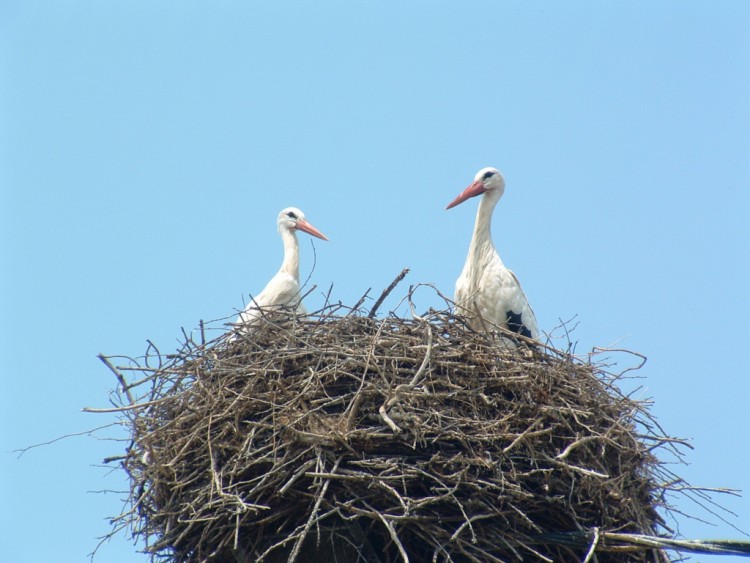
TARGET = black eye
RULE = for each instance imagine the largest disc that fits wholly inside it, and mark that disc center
(488, 174)
(291, 215)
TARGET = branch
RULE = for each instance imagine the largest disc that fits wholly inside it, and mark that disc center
(382, 297)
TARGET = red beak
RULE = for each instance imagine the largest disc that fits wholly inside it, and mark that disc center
(477, 188)
(303, 225)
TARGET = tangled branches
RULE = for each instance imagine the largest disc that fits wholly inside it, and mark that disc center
(348, 438)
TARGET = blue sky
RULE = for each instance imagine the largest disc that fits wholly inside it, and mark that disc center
(147, 147)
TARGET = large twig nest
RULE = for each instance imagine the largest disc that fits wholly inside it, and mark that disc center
(344, 438)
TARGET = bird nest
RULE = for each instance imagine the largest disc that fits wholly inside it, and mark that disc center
(341, 437)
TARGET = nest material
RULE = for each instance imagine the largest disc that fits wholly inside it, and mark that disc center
(346, 438)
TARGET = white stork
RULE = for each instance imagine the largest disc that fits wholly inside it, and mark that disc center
(283, 290)
(485, 285)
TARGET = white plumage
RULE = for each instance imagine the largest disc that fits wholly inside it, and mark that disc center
(283, 290)
(485, 285)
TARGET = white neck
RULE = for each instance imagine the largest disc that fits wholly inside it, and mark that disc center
(481, 248)
(290, 265)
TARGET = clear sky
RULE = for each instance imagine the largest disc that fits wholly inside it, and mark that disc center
(146, 148)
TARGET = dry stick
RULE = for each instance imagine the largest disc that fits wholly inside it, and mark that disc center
(158, 353)
(598, 350)
(594, 543)
(322, 493)
(395, 493)
(382, 297)
(401, 388)
(394, 537)
(244, 506)
(358, 303)
(724, 547)
(423, 365)
(327, 300)
(537, 554)
(118, 375)
(303, 468)
(315, 262)
(589, 472)
(387, 419)
(22, 451)
(413, 289)
(308, 292)
(522, 435)
(127, 408)
(468, 522)
(577, 443)
(155, 372)
(353, 407)
(144, 369)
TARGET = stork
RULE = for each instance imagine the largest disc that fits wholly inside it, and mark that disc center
(487, 292)
(283, 290)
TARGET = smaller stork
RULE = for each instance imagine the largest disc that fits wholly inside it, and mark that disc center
(283, 290)
(487, 292)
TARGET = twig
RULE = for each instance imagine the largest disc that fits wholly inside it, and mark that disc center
(566, 452)
(598, 350)
(321, 494)
(394, 537)
(358, 304)
(22, 451)
(594, 543)
(400, 389)
(118, 375)
(725, 547)
(523, 435)
(387, 291)
(387, 419)
(127, 407)
(314, 263)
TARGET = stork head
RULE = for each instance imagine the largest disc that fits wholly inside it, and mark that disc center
(486, 180)
(292, 219)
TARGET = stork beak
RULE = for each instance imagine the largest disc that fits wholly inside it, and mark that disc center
(477, 188)
(303, 225)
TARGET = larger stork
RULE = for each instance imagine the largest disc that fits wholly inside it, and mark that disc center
(283, 290)
(487, 292)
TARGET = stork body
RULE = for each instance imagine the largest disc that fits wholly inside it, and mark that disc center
(283, 290)
(488, 293)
